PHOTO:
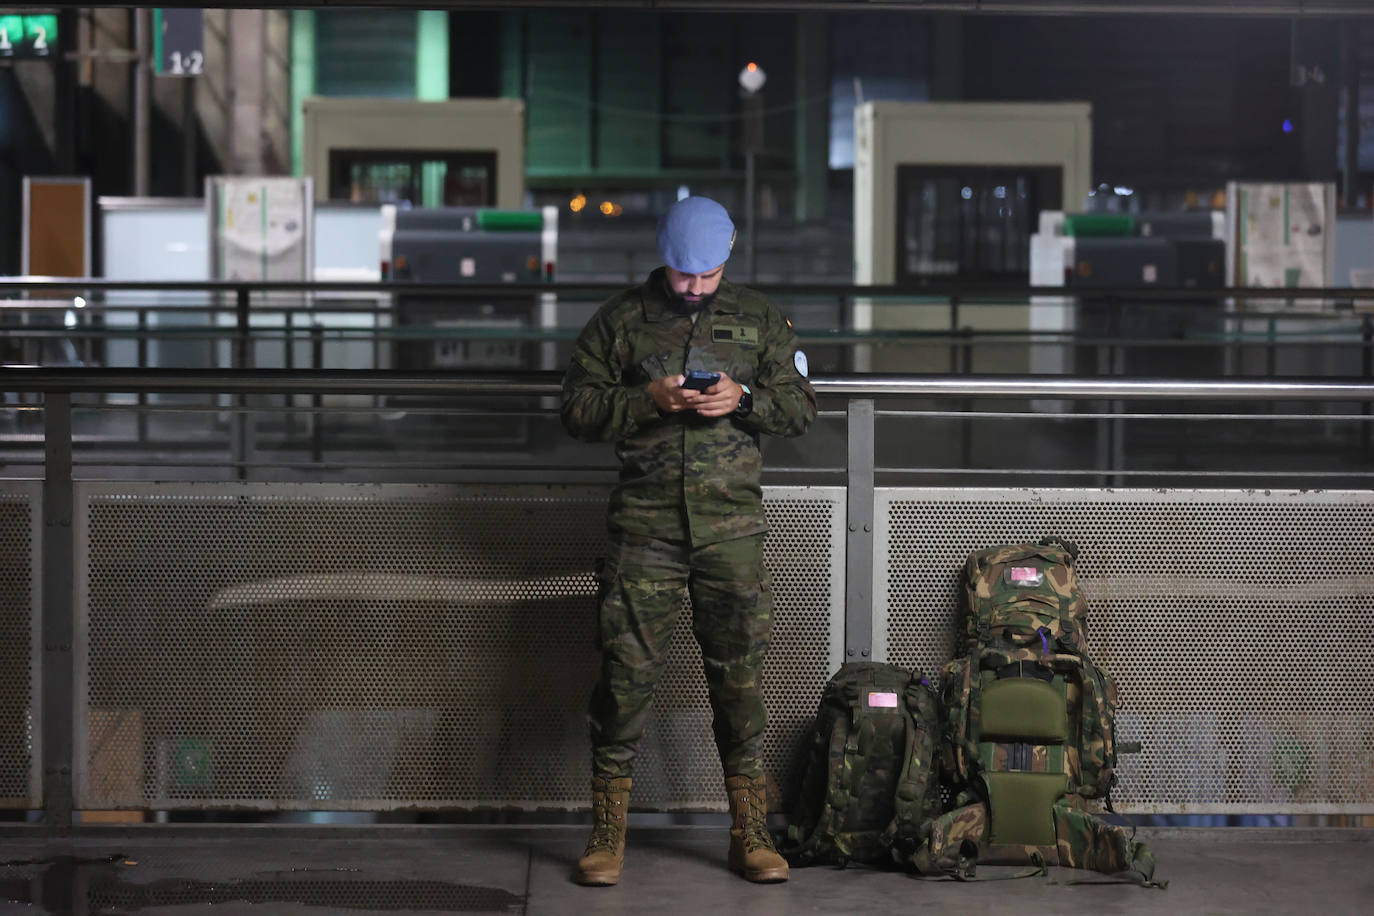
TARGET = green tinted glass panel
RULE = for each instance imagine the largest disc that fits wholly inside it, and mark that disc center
(28, 36)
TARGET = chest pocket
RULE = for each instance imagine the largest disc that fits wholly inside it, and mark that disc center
(645, 363)
(734, 344)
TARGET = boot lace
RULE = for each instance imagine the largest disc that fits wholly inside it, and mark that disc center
(603, 839)
(755, 825)
(606, 827)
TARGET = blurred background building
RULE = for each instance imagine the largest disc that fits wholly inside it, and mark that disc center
(625, 109)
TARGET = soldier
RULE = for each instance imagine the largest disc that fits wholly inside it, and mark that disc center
(688, 512)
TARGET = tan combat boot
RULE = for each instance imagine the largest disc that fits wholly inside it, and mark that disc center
(605, 854)
(752, 853)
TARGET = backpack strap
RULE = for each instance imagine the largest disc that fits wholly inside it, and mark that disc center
(918, 766)
(844, 745)
(808, 848)
(1065, 544)
(1097, 712)
(1086, 840)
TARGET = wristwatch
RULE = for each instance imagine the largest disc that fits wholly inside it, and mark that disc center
(746, 402)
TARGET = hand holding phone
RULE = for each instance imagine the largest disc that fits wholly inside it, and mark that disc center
(697, 380)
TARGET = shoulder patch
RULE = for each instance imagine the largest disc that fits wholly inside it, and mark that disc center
(799, 360)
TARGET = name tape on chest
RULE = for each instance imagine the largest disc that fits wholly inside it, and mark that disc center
(735, 333)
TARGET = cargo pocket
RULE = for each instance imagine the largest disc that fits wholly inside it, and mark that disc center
(605, 575)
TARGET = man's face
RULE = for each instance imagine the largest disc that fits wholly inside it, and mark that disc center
(694, 289)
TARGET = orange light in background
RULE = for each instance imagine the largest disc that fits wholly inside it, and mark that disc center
(577, 203)
(751, 66)
(607, 207)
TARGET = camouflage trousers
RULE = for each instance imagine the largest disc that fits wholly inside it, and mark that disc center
(641, 589)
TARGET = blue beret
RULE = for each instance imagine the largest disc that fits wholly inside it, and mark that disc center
(695, 235)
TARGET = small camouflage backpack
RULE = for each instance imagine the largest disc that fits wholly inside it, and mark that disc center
(1030, 724)
(1023, 595)
(870, 782)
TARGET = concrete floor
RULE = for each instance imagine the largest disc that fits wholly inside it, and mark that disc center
(243, 869)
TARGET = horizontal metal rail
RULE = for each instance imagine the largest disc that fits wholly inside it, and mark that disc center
(1344, 339)
(1052, 387)
(966, 292)
(1307, 9)
(525, 384)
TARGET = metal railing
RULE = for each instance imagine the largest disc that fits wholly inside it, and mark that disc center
(355, 425)
(244, 312)
(955, 328)
(858, 458)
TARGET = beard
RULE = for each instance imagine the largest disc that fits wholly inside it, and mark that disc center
(683, 304)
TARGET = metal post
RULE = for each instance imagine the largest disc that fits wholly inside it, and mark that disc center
(142, 362)
(289, 363)
(858, 589)
(316, 418)
(1103, 359)
(954, 333)
(1115, 449)
(142, 102)
(1367, 370)
(60, 716)
(1350, 158)
(188, 136)
(1118, 357)
(753, 143)
(965, 367)
(749, 227)
(1271, 357)
(243, 359)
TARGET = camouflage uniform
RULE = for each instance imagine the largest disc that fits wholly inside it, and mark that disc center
(688, 511)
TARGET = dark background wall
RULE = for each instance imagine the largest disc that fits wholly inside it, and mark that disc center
(1176, 103)
(643, 101)
(22, 152)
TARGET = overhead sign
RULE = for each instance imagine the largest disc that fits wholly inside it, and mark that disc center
(179, 42)
(28, 35)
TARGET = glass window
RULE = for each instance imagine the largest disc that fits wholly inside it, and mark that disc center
(970, 222)
(422, 179)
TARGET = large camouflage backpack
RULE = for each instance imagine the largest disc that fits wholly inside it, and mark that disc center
(870, 784)
(1030, 724)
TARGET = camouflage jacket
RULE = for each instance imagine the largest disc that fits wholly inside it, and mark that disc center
(685, 475)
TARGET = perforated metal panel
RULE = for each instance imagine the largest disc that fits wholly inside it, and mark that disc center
(1238, 626)
(368, 647)
(19, 630)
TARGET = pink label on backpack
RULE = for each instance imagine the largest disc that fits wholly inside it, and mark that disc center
(1024, 575)
(888, 700)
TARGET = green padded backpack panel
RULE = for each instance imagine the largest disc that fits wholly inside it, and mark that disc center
(1023, 807)
(1025, 709)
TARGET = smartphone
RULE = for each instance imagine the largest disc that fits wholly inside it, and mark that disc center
(698, 380)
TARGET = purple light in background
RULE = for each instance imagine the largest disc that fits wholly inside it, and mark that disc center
(1287, 125)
